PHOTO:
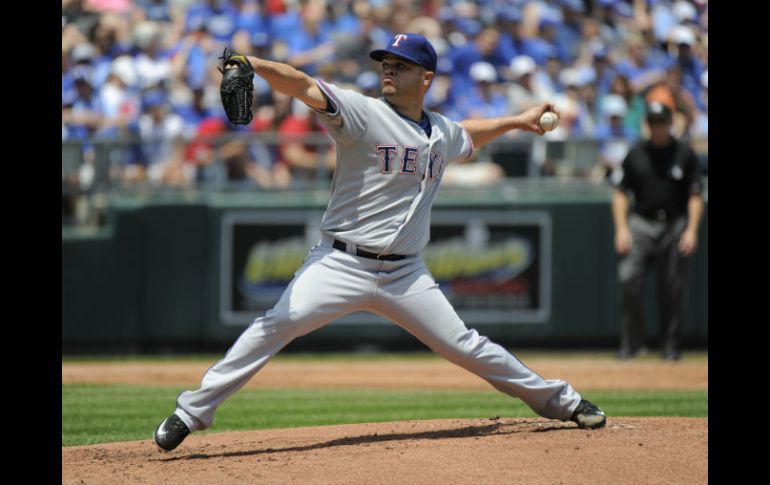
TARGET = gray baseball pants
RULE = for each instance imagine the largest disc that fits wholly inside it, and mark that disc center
(655, 245)
(333, 283)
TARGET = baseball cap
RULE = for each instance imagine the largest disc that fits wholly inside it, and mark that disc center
(657, 111)
(682, 35)
(521, 65)
(684, 11)
(483, 72)
(412, 47)
(84, 52)
(614, 105)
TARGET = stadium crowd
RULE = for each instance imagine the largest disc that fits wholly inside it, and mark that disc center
(143, 71)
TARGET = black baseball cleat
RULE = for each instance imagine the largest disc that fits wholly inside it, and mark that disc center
(588, 416)
(170, 433)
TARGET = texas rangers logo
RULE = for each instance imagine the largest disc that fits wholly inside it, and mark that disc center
(406, 160)
(399, 38)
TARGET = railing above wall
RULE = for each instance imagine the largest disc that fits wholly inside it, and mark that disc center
(97, 168)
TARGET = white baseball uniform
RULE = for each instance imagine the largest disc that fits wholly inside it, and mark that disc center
(387, 174)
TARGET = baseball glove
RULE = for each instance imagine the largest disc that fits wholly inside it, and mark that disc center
(237, 87)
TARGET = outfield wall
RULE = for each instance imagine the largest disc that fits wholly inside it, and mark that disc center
(187, 271)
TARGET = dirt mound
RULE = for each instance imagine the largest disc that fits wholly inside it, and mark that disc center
(526, 451)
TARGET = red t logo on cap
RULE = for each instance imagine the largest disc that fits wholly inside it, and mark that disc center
(399, 38)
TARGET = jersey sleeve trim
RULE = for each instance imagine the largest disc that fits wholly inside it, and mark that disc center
(331, 97)
(470, 142)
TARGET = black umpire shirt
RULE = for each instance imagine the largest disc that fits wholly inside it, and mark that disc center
(661, 179)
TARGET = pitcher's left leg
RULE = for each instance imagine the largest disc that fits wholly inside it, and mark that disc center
(417, 304)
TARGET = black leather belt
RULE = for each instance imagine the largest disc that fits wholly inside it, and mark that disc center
(366, 254)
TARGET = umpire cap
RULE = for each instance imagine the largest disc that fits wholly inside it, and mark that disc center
(657, 111)
(413, 47)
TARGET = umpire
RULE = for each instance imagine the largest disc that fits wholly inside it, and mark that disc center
(661, 183)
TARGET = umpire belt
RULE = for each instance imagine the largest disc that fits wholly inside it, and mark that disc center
(366, 254)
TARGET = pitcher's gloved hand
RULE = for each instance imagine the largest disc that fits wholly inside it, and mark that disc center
(237, 87)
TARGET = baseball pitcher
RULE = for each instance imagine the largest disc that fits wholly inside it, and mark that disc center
(391, 155)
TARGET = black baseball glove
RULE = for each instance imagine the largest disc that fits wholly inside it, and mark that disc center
(237, 88)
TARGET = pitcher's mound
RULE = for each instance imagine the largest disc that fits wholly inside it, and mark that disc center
(527, 451)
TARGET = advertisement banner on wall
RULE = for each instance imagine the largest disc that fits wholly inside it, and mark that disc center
(493, 266)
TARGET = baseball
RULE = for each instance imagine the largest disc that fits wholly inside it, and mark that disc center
(549, 121)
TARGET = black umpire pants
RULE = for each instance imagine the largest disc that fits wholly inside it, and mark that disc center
(655, 244)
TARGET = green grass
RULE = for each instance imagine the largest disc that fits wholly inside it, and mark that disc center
(101, 414)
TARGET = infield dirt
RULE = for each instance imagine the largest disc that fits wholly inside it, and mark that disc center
(630, 450)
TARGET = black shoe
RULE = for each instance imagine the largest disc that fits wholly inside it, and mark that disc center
(171, 432)
(588, 416)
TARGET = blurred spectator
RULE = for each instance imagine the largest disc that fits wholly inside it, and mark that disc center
(304, 157)
(484, 48)
(307, 34)
(195, 55)
(548, 78)
(568, 36)
(634, 116)
(118, 97)
(700, 128)
(663, 20)
(84, 111)
(525, 92)
(200, 153)
(172, 171)
(267, 119)
(604, 71)
(513, 42)
(241, 164)
(251, 17)
(549, 42)
(369, 83)
(613, 15)
(218, 17)
(579, 52)
(671, 93)
(691, 68)
(440, 97)
(75, 13)
(614, 137)
(484, 99)
(152, 66)
(639, 66)
(194, 113)
(155, 10)
(583, 122)
(158, 128)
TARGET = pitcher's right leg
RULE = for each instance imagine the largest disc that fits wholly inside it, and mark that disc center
(324, 289)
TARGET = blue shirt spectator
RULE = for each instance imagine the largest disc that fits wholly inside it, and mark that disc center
(219, 18)
(512, 40)
(482, 100)
(156, 10)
